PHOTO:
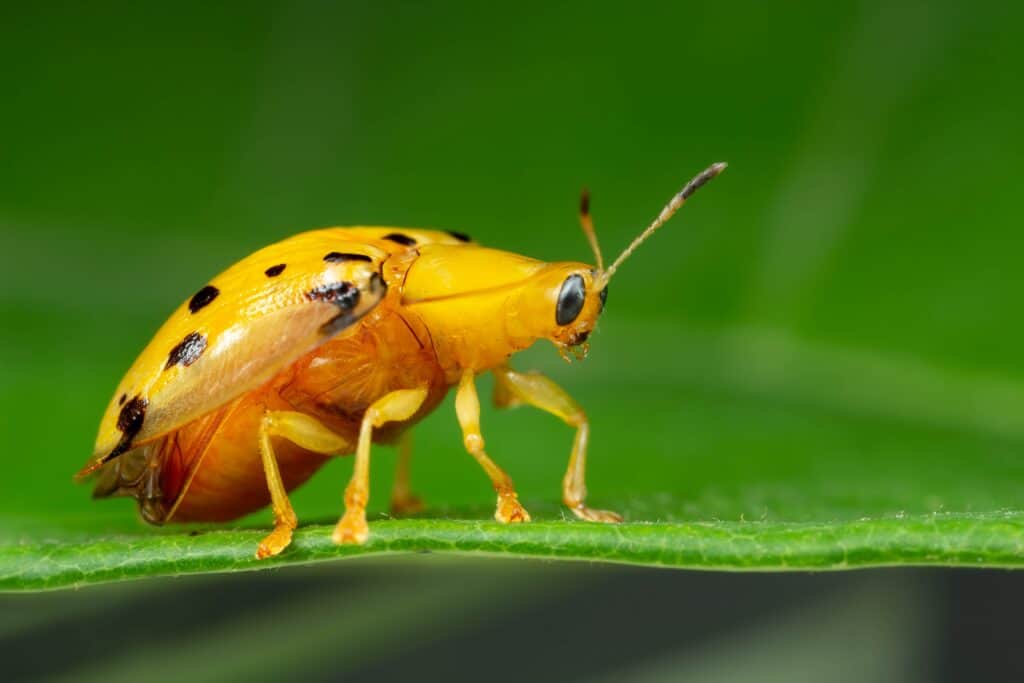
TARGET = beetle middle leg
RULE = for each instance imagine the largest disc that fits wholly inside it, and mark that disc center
(306, 432)
(513, 388)
(393, 407)
(467, 408)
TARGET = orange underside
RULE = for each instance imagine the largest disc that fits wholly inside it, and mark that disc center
(210, 469)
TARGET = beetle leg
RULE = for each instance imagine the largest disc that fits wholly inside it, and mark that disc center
(403, 500)
(513, 388)
(308, 433)
(394, 407)
(467, 408)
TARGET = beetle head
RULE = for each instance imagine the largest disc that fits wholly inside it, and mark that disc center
(577, 293)
(569, 297)
(565, 301)
(486, 304)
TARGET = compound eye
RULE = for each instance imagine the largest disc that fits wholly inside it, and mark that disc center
(570, 300)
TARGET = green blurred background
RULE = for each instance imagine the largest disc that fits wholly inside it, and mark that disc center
(834, 314)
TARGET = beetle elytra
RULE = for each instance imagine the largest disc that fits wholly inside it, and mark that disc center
(323, 343)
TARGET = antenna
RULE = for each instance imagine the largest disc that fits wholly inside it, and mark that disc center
(674, 205)
(587, 223)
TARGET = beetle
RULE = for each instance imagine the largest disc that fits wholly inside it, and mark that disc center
(328, 341)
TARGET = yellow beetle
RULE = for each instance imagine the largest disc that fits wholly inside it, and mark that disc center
(330, 340)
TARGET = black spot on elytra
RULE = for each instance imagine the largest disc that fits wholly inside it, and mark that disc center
(344, 295)
(187, 351)
(274, 271)
(346, 299)
(132, 415)
(202, 298)
(341, 257)
(460, 236)
(120, 401)
(129, 423)
(400, 238)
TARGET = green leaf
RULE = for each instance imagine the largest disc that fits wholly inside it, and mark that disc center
(941, 539)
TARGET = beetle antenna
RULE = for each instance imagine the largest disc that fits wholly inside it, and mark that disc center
(587, 223)
(677, 201)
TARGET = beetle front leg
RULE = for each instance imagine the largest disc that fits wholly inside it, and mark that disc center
(394, 407)
(467, 408)
(513, 388)
(307, 432)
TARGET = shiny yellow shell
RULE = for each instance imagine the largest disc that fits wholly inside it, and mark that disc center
(245, 325)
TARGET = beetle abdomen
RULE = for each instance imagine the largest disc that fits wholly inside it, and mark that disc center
(207, 471)
(219, 476)
(210, 469)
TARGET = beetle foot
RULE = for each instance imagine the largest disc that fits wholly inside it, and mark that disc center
(592, 515)
(406, 504)
(276, 541)
(352, 529)
(510, 510)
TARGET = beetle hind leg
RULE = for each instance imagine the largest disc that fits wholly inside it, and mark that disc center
(403, 500)
(306, 432)
(396, 406)
(514, 388)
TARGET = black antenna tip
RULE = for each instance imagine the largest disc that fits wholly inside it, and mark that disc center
(702, 178)
(585, 202)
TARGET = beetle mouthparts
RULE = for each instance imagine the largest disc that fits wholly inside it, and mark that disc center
(575, 351)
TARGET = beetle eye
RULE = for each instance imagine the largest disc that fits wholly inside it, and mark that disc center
(570, 300)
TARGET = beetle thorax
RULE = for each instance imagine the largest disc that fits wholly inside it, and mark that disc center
(483, 305)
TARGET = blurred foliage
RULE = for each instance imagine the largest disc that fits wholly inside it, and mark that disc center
(825, 336)
(448, 619)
